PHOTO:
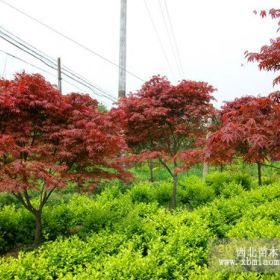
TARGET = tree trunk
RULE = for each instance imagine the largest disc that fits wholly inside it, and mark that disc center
(174, 193)
(38, 230)
(151, 168)
(221, 167)
(205, 164)
(205, 170)
(259, 173)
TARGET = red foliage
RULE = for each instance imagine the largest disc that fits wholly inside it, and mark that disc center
(47, 136)
(90, 141)
(274, 13)
(249, 128)
(188, 159)
(275, 97)
(162, 120)
(28, 108)
(268, 57)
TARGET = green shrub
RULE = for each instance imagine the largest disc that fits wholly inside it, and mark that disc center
(56, 221)
(147, 253)
(16, 226)
(142, 192)
(270, 179)
(163, 192)
(244, 180)
(111, 184)
(130, 236)
(194, 192)
(231, 189)
(135, 221)
(223, 214)
(7, 199)
(258, 228)
(203, 273)
(218, 180)
(269, 209)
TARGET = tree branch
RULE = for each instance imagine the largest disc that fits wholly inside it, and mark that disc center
(27, 200)
(22, 201)
(33, 138)
(46, 197)
(267, 165)
(42, 195)
(166, 166)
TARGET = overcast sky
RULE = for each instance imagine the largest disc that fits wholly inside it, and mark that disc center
(211, 38)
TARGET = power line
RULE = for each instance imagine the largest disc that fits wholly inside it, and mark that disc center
(171, 42)
(158, 37)
(174, 37)
(36, 67)
(85, 85)
(24, 61)
(27, 46)
(52, 64)
(70, 39)
(10, 40)
(26, 43)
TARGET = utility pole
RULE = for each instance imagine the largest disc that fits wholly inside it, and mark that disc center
(122, 57)
(205, 164)
(59, 84)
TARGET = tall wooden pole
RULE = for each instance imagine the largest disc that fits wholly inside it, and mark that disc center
(205, 164)
(59, 84)
(122, 55)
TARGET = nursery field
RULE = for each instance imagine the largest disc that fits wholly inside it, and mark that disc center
(129, 231)
(159, 185)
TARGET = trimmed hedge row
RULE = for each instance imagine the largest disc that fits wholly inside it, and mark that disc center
(68, 213)
(118, 237)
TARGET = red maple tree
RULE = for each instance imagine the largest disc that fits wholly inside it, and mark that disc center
(247, 129)
(47, 139)
(165, 121)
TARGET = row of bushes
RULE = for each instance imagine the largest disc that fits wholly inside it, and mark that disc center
(68, 213)
(269, 174)
(119, 239)
(78, 213)
(192, 191)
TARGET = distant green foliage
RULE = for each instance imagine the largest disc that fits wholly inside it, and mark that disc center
(218, 180)
(102, 108)
(142, 173)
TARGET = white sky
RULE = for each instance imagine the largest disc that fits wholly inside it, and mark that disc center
(211, 36)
